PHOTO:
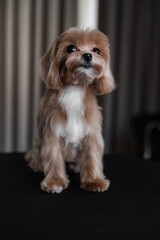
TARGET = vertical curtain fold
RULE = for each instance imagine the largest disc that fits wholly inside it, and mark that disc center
(28, 27)
(132, 27)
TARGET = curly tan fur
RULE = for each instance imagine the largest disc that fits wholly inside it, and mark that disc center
(69, 119)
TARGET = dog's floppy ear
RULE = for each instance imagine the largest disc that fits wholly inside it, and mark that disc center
(105, 83)
(49, 71)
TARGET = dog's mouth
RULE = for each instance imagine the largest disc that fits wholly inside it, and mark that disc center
(86, 65)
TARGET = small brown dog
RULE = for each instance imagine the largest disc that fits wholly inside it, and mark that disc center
(75, 69)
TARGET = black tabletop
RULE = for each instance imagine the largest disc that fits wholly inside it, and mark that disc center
(130, 209)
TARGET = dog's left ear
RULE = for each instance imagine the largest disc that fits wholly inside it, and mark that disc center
(48, 67)
(105, 83)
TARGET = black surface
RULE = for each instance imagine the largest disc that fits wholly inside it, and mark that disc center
(130, 209)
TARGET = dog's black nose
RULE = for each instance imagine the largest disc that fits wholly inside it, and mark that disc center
(87, 57)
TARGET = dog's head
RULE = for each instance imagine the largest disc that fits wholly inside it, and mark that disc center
(79, 57)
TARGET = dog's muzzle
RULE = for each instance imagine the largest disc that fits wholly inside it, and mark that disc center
(87, 58)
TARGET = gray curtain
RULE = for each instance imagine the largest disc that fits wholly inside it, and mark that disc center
(27, 28)
(133, 27)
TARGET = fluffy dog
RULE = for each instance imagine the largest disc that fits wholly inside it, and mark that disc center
(75, 69)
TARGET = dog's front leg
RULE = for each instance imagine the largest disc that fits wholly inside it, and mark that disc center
(91, 167)
(54, 167)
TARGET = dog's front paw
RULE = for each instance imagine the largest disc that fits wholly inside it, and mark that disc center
(54, 186)
(97, 185)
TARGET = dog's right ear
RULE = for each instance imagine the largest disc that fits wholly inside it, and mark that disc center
(49, 70)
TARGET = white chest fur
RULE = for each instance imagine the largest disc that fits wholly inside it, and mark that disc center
(75, 129)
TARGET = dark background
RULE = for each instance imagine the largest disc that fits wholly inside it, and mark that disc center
(27, 28)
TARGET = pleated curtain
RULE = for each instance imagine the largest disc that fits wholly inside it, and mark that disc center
(28, 27)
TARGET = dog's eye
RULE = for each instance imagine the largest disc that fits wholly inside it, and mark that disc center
(96, 50)
(71, 49)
